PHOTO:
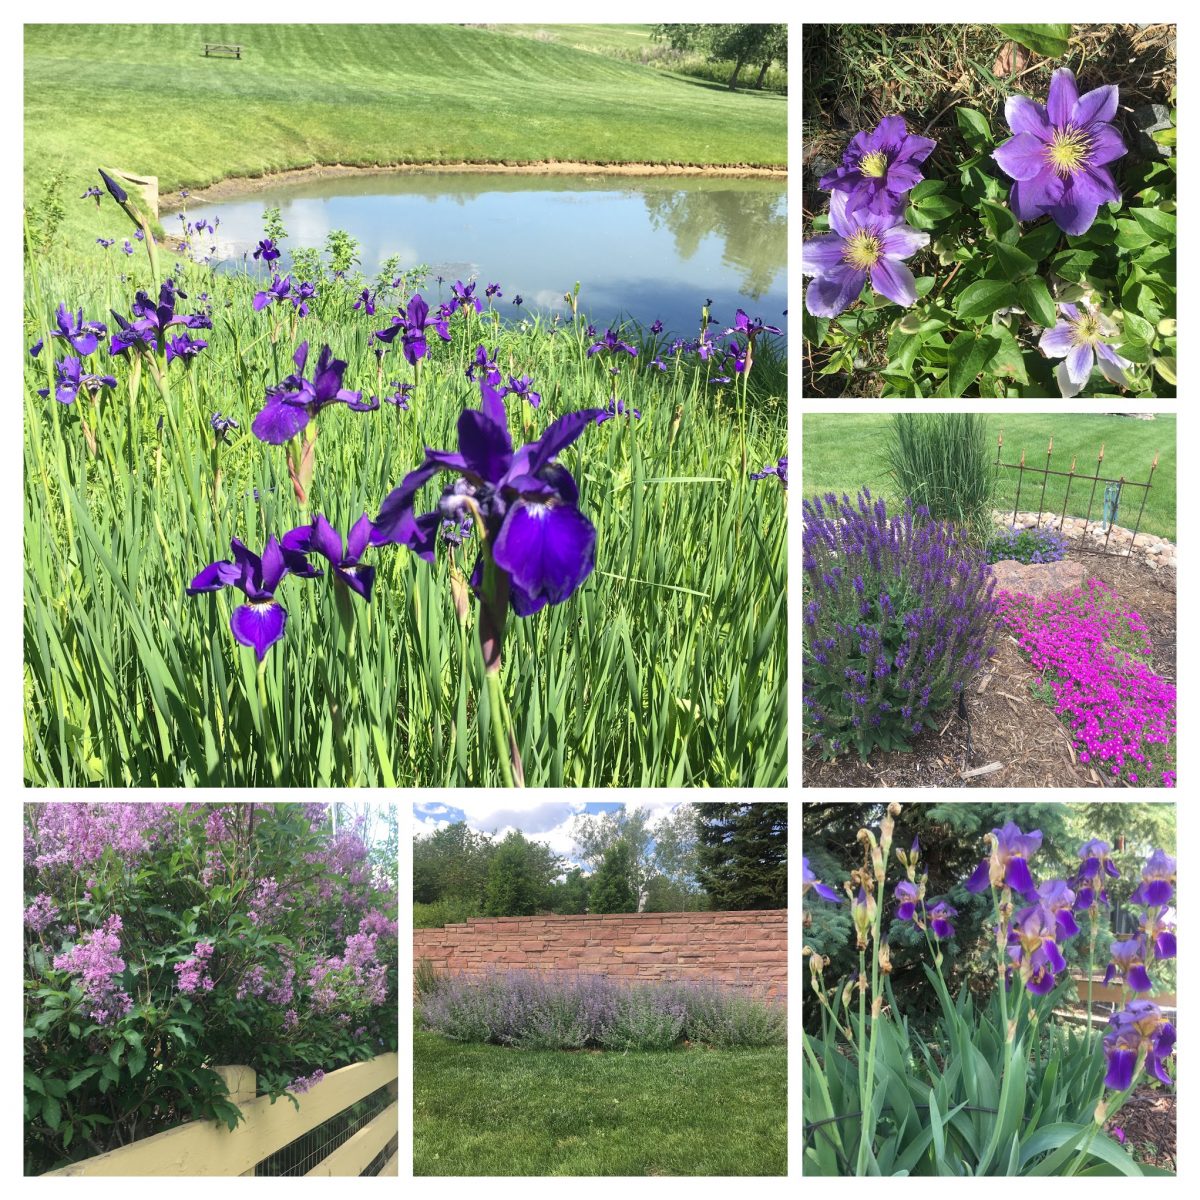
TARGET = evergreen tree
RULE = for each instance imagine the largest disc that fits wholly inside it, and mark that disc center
(742, 854)
(519, 877)
(570, 896)
(612, 889)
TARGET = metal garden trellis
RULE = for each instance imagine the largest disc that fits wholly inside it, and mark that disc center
(1109, 517)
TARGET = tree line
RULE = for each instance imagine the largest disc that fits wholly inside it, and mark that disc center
(742, 45)
(698, 857)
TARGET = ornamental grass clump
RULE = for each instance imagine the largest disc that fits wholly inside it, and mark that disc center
(1095, 655)
(898, 614)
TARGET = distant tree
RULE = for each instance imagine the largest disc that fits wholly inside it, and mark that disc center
(451, 863)
(570, 896)
(743, 854)
(514, 886)
(596, 833)
(739, 44)
(664, 896)
(613, 889)
(675, 856)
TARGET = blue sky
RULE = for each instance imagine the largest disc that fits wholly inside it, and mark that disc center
(548, 822)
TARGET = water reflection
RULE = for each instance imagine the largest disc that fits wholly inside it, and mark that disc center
(646, 248)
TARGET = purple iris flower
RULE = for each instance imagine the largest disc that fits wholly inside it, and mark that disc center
(69, 378)
(365, 301)
(95, 193)
(260, 622)
(523, 387)
(1158, 926)
(1158, 880)
(1095, 863)
(939, 920)
(485, 361)
(518, 300)
(1033, 946)
(127, 247)
(610, 341)
(296, 400)
(743, 324)
(539, 540)
(321, 538)
(1058, 154)
(808, 879)
(863, 246)
(880, 167)
(266, 250)
(616, 408)
(301, 296)
(780, 471)
(908, 894)
(1008, 865)
(105, 242)
(1140, 1027)
(1129, 963)
(83, 335)
(493, 289)
(411, 325)
(657, 327)
(152, 319)
(464, 297)
(399, 396)
(184, 346)
(277, 292)
(221, 426)
(1084, 339)
(1058, 898)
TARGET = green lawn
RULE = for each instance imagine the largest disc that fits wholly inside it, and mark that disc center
(144, 99)
(489, 1110)
(841, 452)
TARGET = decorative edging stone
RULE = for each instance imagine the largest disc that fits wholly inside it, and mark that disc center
(1156, 552)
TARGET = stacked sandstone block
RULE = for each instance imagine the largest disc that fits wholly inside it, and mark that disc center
(741, 949)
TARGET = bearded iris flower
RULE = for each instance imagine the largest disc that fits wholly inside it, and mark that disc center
(863, 247)
(1158, 880)
(1129, 963)
(69, 379)
(1140, 1029)
(1033, 947)
(1158, 929)
(880, 167)
(939, 920)
(1008, 864)
(1059, 152)
(260, 622)
(296, 400)
(1056, 897)
(808, 879)
(1095, 864)
(908, 894)
(321, 538)
(1083, 339)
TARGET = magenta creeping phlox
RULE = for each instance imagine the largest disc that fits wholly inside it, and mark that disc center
(1090, 651)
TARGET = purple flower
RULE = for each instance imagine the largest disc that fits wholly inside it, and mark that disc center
(302, 1083)
(879, 168)
(83, 335)
(43, 912)
(610, 341)
(320, 537)
(296, 400)
(1008, 865)
(95, 193)
(127, 247)
(193, 972)
(151, 320)
(221, 426)
(277, 292)
(184, 346)
(863, 246)
(541, 544)
(1129, 963)
(657, 327)
(493, 289)
(1081, 339)
(69, 378)
(1058, 898)
(523, 387)
(939, 919)
(266, 250)
(365, 301)
(464, 297)
(411, 324)
(1158, 929)
(616, 408)
(908, 894)
(105, 242)
(1033, 946)
(518, 300)
(399, 397)
(96, 960)
(1139, 1029)
(1095, 863)
(1158, 880)
(780, 471)
(743, 324)
(808, 879)
(302, 295)
(261, 621)
(1059, 152)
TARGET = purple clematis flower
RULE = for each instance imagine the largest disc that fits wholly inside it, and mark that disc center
(939, 920)
(1139, 1029)
(808, 879)
(321, 538)
(1033, 946)
(1082, 340)
(84, 336)
(266, 250)
(880, 167)
(863, 247)
(278, 291)
(780, 471)
(411, 325)
(296, 400)
(1058, 154)
(1158, 880)
(1129, 963)
(527, 503)
(69, 379)
(1008, 865)
(1058, 898)
(260, 622)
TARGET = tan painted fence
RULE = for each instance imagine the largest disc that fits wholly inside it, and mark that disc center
(209, 1148)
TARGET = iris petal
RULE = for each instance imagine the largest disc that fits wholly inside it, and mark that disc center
(1120, 1069)
(259, 625)
(548, 550)
(1017, 876)
(980, 878)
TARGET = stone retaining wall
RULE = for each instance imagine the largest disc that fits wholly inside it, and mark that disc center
(741, 949)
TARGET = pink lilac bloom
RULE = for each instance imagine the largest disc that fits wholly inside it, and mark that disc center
(76, 835)
(863, 247)
(879, 168)
(1084, 340)
(1059, 152)
(193, 972)
(96, 960)
(302, 1083)
(290, 1020)
(41, 913)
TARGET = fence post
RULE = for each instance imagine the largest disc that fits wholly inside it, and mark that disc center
(1149, 485)
(242, 1085)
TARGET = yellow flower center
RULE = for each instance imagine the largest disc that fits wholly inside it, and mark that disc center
(862, 250)
(1086, 330)
(873, 164)
(1068, 151)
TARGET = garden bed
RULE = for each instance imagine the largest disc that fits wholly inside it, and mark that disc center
(1005, 722)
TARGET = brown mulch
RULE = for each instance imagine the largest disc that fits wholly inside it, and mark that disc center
(1006, 723)
(1148, 1120)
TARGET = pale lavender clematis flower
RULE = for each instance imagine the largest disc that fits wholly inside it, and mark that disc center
(863, 246)
(1058, 154)
(1082, 340)
(880, 167)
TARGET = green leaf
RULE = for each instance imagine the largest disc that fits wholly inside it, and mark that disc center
(936, 208)
(927, 187)
(52, 1111)
(80, 1077)
(1050, 40)
(68, 1136)
(1000, 221)
(1035, 299)
(1137, 328)
(1158, 224)
(968, 354)
(1166, 368)
(1013, 263)
(1007, 363)
(976, 131)
(1039, 241)
(982, 298)
(1131, 236)
(33, 1083)
(939, 1136)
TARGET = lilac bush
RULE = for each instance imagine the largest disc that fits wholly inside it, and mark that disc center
(898, 614)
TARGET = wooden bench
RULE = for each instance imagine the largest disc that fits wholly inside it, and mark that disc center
(211, 48)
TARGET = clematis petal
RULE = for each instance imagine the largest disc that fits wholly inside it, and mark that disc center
(1107, 145)
(258, 625)
(821, 254)
(903, 177)
(902, 241)
(1033, 198)
(1027, 116)
(915, 148)
(1097, 181)
(1079, 364)
(1064, 95)
(1056, 342)
(835, 292)
(1076, 211)
(841, 219)
(1112, 365)
(1100, 104)
(890, 132)
(1022, 156)
(891, 278)
(548, 550)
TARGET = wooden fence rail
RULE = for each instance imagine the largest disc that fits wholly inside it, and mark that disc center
(209, 1148)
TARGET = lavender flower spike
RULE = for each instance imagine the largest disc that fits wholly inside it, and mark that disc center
(880, 167)
(863, 247)
(1083, 339)
(1058, 153)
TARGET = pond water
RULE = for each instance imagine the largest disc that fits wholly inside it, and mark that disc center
(644, 248)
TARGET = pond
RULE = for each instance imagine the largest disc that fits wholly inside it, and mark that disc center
(642, 248)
